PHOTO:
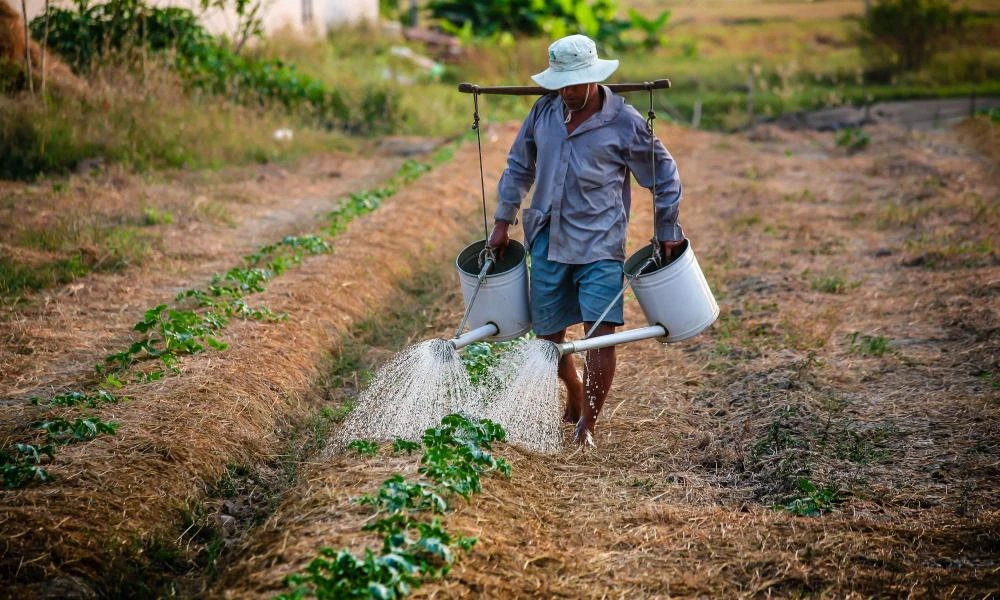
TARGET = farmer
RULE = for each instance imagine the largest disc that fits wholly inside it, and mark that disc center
(579, 148)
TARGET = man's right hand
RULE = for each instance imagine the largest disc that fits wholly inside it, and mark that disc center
(498, 239)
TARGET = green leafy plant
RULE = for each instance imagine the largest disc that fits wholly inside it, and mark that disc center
(400, 446)
(815, 501)
(62, 431)
(480, 357)
(413, 548)
(364, 447)
(531, 17)
(650, 27)
(74, 399)
(20, 467)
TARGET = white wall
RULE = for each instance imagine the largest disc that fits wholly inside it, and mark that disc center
(277, 14)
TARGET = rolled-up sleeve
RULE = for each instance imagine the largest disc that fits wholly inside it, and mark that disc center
(667, 195)
(520, 172)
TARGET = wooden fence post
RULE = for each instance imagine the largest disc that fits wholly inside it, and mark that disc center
(27, 47)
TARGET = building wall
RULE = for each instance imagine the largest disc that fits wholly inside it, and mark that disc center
(277, 14)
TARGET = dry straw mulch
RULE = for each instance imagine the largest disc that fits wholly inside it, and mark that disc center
(52, 342)
(805, 246)
(119, 497)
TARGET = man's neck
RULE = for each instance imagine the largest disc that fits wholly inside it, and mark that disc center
(592, 106)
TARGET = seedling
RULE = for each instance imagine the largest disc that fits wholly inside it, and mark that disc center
(73, 399)
(399, 446)
(364, 447)
(61, 431)
(21, 467)
(816, 501)
(455, 455)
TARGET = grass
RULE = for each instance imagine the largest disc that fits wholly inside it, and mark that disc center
(144, 121)
(869, 345)
(64, 247)
(149, 121)
(832, 281)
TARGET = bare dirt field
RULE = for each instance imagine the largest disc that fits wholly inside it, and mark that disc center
(856, 353)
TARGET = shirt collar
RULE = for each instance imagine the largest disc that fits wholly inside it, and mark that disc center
(609, 110)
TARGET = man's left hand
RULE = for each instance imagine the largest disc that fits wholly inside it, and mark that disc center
(670, 251)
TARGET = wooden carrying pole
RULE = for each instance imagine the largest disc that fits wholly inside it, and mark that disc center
(513, 90)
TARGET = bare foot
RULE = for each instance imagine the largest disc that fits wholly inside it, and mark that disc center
(584, 434)
(574, 398)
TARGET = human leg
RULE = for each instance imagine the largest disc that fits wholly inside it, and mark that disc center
(554, 307)
(598, 375)
(599, 284)
(569, 376)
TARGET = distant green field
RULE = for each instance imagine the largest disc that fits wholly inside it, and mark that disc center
(797, 55)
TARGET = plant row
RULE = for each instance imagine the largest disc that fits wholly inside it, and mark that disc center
(22, 463)
(168, 333)
(415, 545)
(190, 327)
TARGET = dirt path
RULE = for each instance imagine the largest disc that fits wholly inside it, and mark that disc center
(51, 344)
(858, 350)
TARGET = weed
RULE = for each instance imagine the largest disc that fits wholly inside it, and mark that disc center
(778, 436)
(744, 222)
(831, 282)
(853, 139)
(869, 345)
(153, 216)
(816, 501)
(859, 448)
(990, 379)
(645, 485)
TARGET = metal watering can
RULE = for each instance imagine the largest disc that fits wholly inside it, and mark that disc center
(494, 292)
(675, 298)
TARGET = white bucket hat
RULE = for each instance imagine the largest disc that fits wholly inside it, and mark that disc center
(572, 60)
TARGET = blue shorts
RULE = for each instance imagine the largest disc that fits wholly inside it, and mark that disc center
(564, 295)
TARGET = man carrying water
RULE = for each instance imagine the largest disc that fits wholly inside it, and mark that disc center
(578, 148)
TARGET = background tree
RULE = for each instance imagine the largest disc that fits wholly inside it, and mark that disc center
(909, 31)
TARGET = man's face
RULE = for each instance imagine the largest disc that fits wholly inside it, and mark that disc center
(575, 96)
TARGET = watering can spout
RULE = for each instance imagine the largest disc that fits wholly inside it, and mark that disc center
(604, 341)
(475, 335)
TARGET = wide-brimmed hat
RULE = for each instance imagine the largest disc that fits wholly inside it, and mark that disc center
(572, 60)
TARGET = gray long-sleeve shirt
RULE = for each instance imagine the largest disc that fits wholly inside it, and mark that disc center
(582, 179)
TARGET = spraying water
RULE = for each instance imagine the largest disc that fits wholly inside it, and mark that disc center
(522, 395)
(411, 393)
(427, 381)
